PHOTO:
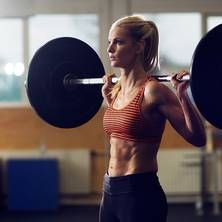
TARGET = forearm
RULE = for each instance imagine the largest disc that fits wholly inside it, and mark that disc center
(107, 96)
(107, 89)
(107, 100)
(195, 130)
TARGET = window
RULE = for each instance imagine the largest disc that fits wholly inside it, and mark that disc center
(213, 21)
(40, 29)
(179, 35)
(43, 28)
(11, 60)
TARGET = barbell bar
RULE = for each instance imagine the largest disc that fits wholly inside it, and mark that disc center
(70, 81)
(65, 78)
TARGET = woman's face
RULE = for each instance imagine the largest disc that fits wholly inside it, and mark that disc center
(122, 49)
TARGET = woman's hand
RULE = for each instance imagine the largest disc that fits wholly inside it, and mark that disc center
(177, 82)
(107, 87)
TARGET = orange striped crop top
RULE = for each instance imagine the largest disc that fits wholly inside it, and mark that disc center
(128, 123)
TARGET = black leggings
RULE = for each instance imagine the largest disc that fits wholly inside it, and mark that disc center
(133, 198)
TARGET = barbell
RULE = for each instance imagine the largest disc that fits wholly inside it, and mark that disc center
(65, 78)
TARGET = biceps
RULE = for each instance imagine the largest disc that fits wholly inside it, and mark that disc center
(172, 111)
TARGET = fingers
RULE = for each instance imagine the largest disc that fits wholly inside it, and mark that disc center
(177, 78)
(107, 79)
(181, 74)
(107, 86)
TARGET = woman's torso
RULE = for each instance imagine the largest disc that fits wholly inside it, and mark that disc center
(135, 128)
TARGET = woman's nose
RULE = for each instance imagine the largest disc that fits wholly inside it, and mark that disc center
(110, 48)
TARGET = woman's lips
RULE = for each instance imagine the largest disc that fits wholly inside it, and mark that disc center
(112, 58)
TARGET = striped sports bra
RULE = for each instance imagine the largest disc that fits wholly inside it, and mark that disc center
(128, 123)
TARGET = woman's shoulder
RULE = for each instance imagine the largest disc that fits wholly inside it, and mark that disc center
(156, 90)
(155, 85)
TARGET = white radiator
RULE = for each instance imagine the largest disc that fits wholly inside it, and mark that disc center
(75, 170)
(179, 171)
(74, 167)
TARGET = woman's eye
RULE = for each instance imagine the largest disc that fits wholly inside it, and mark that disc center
(119, 42)
(116, 42)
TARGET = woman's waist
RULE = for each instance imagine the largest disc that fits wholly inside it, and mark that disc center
(127, 167)
(115, 185)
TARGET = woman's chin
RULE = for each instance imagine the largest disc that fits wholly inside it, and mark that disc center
(115, 65)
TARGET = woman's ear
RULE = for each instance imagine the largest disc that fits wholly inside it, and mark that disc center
(140, 46)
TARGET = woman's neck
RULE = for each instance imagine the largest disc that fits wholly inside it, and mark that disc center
(131, 79)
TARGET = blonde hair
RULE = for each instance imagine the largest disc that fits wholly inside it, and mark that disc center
(141, 29)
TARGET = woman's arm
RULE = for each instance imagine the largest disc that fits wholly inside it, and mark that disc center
(107, 88)
(180, 111)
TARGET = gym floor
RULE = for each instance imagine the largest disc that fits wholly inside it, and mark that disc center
(177, 212)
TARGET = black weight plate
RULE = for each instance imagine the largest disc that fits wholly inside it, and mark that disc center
(206, 76)
(45, 89)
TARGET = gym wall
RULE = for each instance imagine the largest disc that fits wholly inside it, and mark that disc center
(22, 129)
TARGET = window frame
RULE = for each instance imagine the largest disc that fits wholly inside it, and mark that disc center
(107, 11)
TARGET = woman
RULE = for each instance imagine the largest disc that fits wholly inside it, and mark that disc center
(138, 107)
